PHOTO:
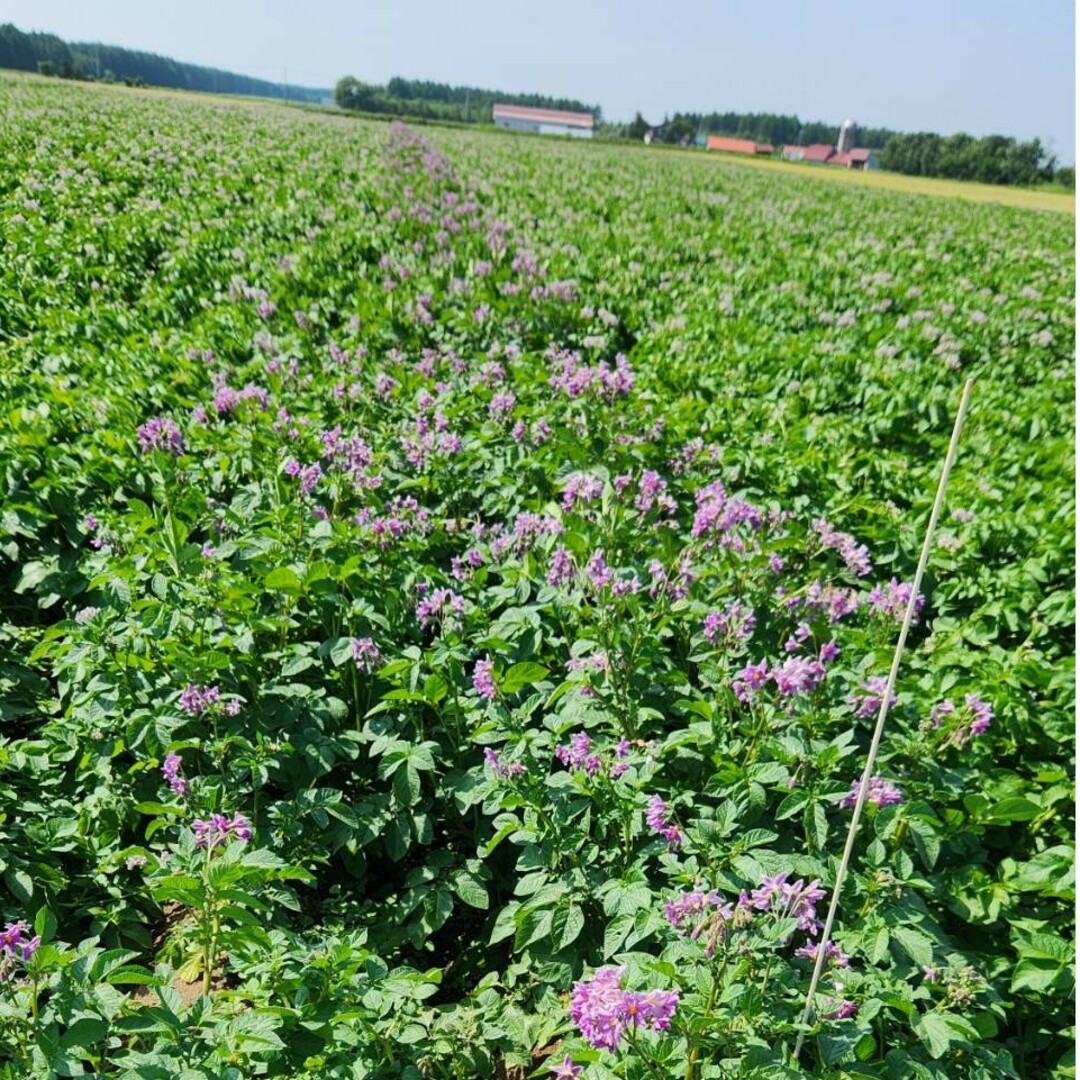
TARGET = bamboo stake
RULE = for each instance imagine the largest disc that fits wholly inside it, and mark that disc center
(879, 727)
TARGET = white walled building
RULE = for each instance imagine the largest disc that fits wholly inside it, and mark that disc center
(543, 121)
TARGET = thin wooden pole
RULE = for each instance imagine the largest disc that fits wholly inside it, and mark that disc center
(879, 727)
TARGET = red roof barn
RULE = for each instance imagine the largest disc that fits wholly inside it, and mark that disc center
(737, 146)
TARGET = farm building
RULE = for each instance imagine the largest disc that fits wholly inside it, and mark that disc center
(737, 146)
(818, 153)
(856, 158)
(543, 121)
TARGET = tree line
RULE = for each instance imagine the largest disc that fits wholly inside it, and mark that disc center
(776, 128)
(441, 101)
(51, 55)
(990, 159)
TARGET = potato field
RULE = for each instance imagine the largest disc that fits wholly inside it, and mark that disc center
(447, 584)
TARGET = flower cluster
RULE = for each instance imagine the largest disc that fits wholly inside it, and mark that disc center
(973, 719)
(219, 830)
(441, 607)
(856, 556)
(581, 755)
(792, 676)
(573, 378)
(834, 955)
(879, 791)
(892, 600)
(734, 625)
(788, 900)
(701, 916)
(196, 700)
(604, 1011)
(161, 433)
(365, 654)
(656, 818)
(483, 679)
(868, 701)
(718, 516)
(506, 770)
(170, 769)
(16, 946)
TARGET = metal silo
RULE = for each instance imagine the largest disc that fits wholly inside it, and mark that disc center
(845, 141)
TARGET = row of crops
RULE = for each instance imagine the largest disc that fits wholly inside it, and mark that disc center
(446, 588)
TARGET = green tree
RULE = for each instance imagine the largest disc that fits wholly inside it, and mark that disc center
(637, 128)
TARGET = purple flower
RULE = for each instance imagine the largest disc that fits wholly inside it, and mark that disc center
(562, 567)
(868, 702)
(84, 615)
(170, 769)
(566, 1069)
(880, 792)
(441, 608)
(789, 900)
(603, 1010)
(833, 953)
(829, 651)
(161, 433)
(366, 654)
(15, 945)
(483, 679)
(844, 1010)
(892, 600)
(218, 829)
(580, 487)
(656, 819)
(942, 709)
(750, 680)
(734, 625)
(981, 714)
(240, 827)
(856, 556)
(507, 770)
(598, 571)
(797, 675)
(310, 475)
(196, 700)
(700, 915)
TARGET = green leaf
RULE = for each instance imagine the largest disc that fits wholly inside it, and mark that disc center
(520, 675)
(916, 944)
(575, 923)
(283, 580)
(84, 1033)
(934, 1032)
(45, 925)
(471, 891)
(1014, 808)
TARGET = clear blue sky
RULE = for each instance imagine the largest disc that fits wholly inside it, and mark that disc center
(982, 66)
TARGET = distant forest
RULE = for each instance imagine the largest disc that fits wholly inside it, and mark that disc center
(440, 101)
(50, 55)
